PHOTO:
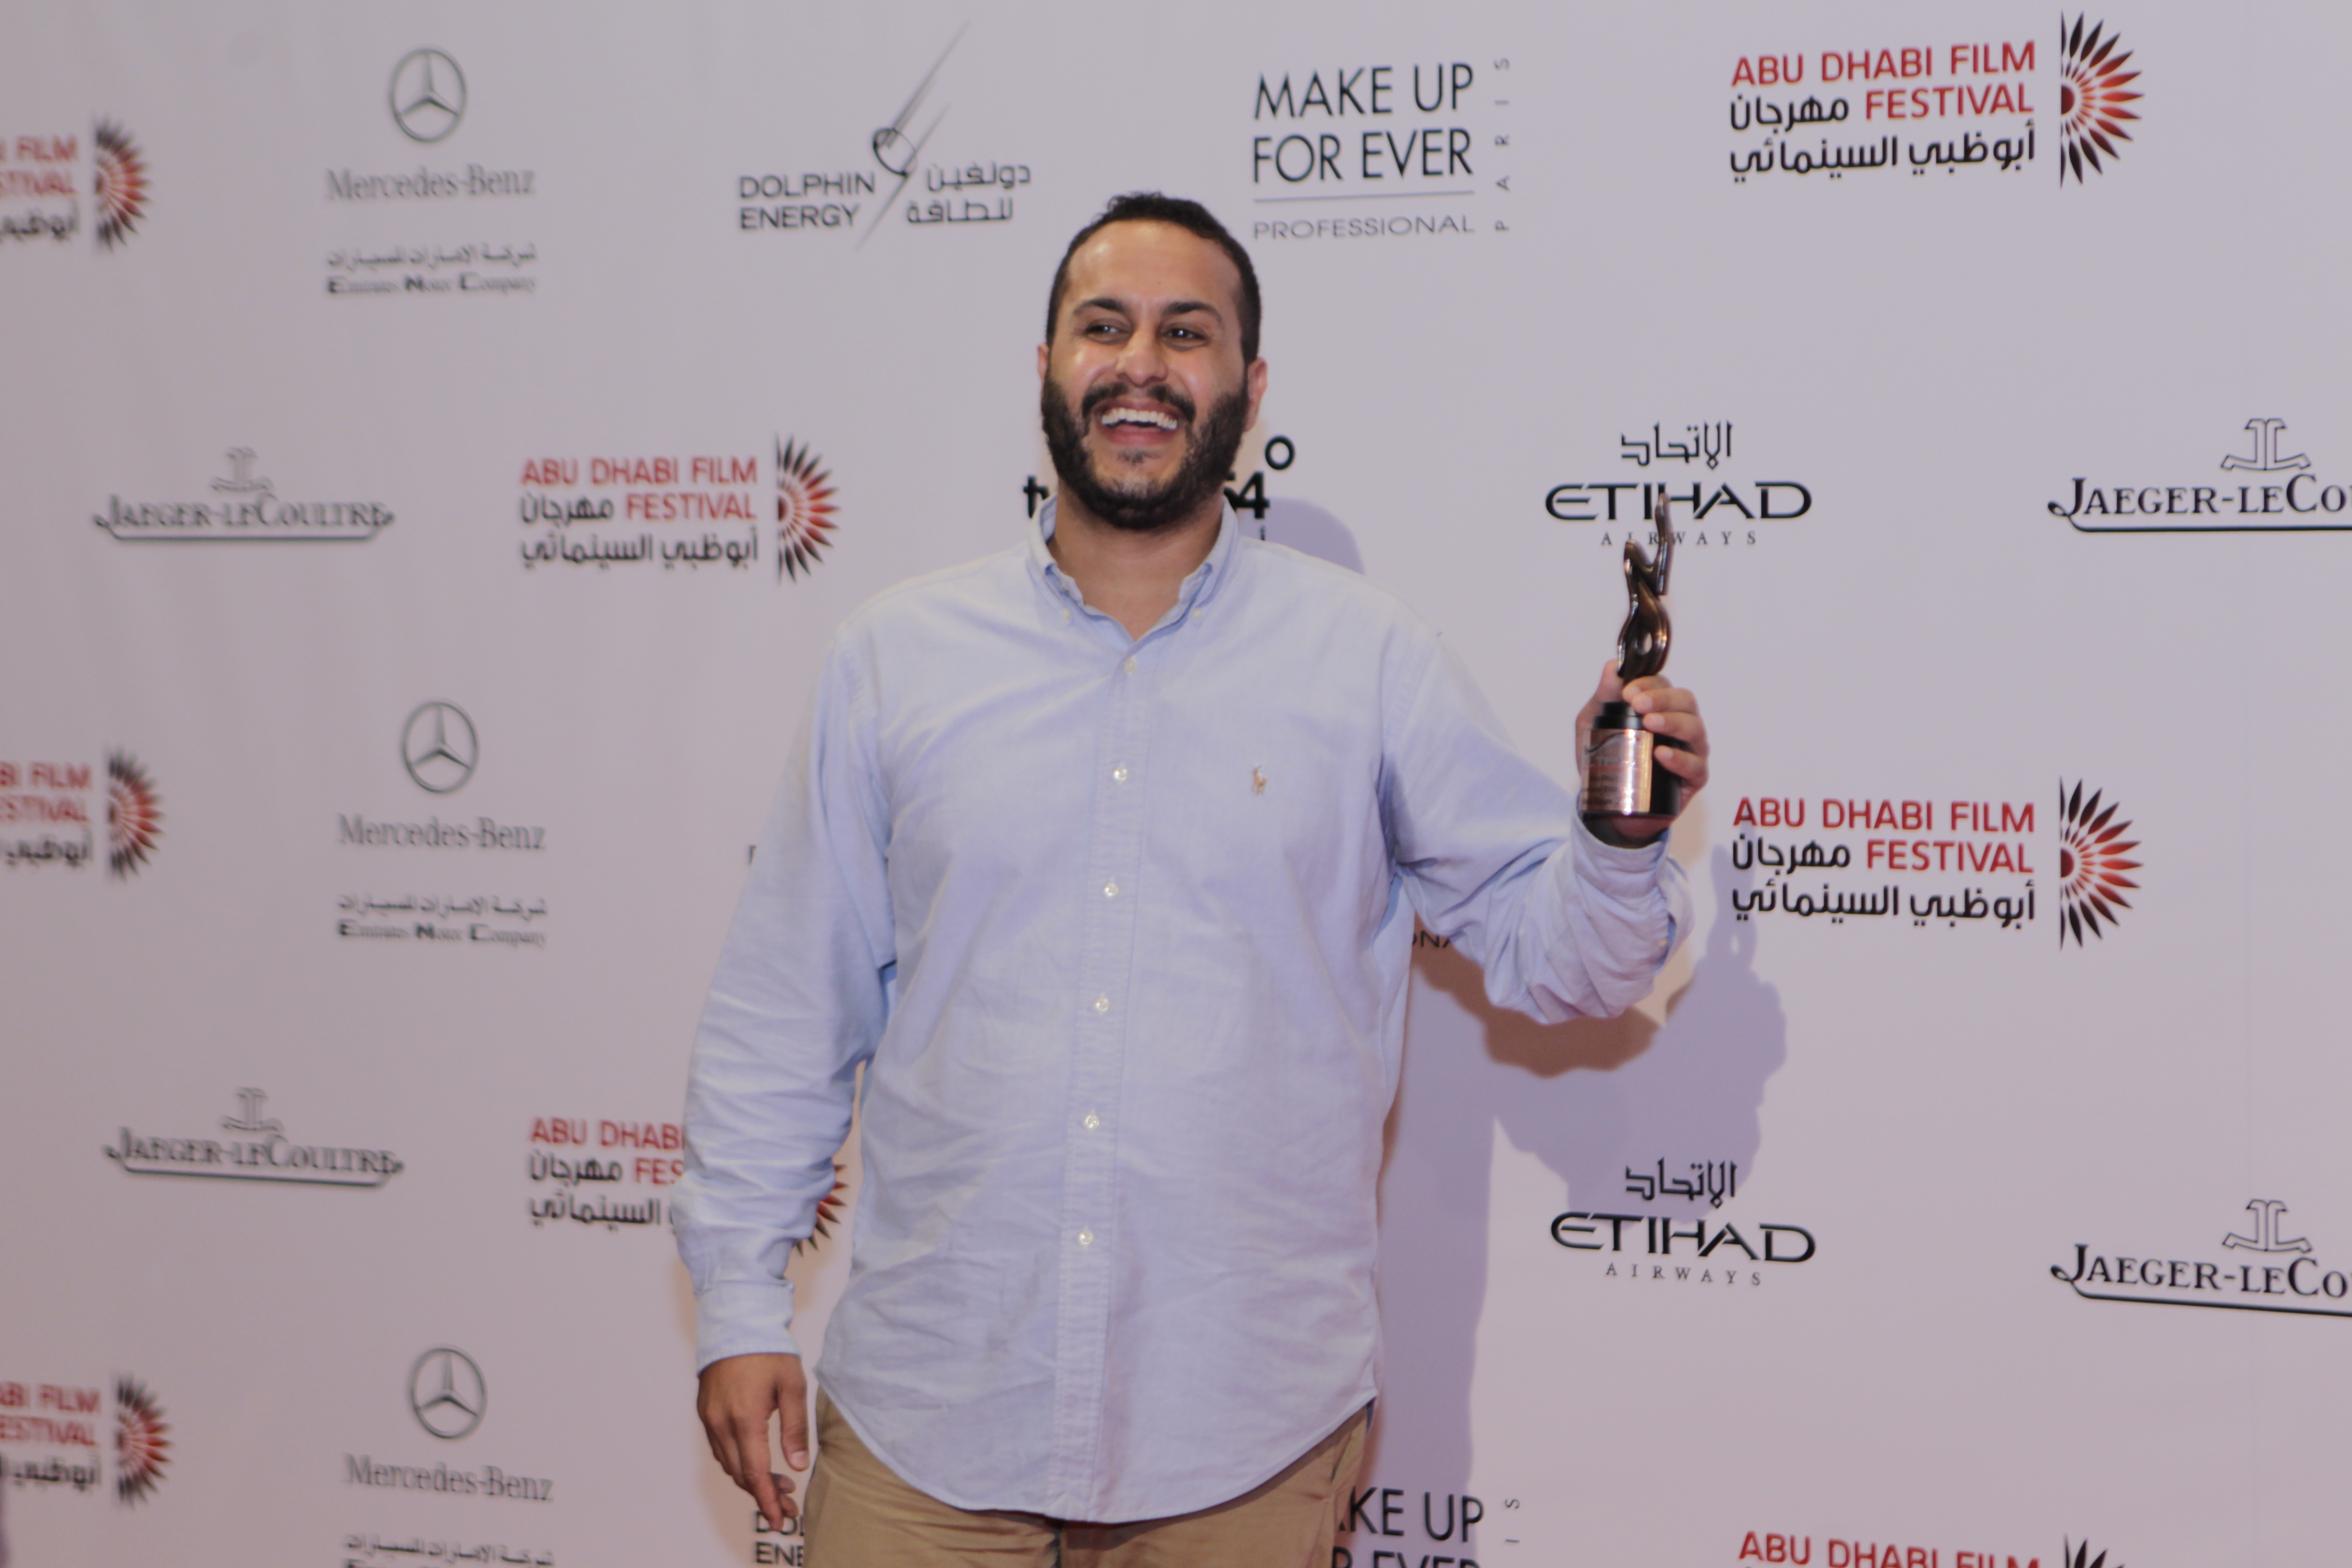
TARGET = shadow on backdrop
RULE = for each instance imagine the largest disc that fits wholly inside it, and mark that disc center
(1308, 529)
(1591, 1099)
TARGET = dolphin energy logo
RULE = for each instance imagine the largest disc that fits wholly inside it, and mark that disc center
(804, 509)
(2091, 864)
(2092, 88)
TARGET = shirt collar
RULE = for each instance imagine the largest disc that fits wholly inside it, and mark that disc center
(1197, 588)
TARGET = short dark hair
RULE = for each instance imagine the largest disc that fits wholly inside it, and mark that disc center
(1151, 206)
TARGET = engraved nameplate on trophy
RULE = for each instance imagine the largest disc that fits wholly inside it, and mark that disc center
(1625, 788)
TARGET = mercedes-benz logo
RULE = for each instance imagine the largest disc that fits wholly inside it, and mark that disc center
(438, 749)
(428, 95)
(445, 1390)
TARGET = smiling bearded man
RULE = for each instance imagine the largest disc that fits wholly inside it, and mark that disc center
(1100, 858)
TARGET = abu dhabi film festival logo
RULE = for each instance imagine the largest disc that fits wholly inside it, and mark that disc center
(2269, 490)
(66, 1420)
(628, 511)
(804, 509)
(1946, 863)
(2091, 864)
(2092, 93)
(142, 1443)
(1933, 109)
(44, 172)
(2261, 1267)
(56, 797)
(849, 199)
(257, 1150)
(1879, 1551)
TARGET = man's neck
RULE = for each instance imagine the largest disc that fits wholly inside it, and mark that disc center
(1132, 577)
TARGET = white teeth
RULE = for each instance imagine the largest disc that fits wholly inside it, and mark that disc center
(1141, 417)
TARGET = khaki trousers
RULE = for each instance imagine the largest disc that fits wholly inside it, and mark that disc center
(861, 1515)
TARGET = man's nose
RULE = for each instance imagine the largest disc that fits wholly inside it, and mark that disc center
(1144, 361)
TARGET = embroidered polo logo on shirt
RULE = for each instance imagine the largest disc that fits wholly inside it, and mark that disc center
(1257, 781)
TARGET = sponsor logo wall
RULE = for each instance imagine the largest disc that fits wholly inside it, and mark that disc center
(1967, 1191)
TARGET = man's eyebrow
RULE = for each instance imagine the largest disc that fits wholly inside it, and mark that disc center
(1176, 307)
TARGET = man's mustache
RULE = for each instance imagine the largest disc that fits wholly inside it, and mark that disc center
(1172, 397)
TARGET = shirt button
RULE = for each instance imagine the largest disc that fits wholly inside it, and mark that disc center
(1110, 890)
(1066, 615)
(1092, 1121)
(1085, 1238)
(1196, 614)
(1130, 664)
(1102, 1003)
(1119, 776)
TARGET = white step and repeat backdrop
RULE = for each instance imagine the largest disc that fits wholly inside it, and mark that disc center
(439, 439)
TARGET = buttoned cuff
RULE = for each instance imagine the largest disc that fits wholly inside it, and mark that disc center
(1643, 882)
(746, 1318)
(1631, 869)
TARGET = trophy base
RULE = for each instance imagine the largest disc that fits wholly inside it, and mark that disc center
(1625, 788)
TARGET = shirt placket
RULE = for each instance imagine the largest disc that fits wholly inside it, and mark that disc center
(1089, 1239)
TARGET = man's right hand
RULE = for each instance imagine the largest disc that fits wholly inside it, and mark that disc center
(738, 1394)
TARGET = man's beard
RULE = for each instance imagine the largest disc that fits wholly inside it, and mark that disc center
(1136, 505)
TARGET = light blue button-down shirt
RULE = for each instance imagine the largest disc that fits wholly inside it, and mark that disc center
(1119, 929)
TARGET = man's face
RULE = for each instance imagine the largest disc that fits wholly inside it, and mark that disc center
(1145, 397)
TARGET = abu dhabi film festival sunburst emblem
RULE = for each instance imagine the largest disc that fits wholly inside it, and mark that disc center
(140, 1448)
(120, 185)
(828, 1210)
(2092, 91)
(804, 509)
(134, 814)
(2091, 864)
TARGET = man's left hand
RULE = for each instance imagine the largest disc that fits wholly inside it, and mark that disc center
(1668, 712)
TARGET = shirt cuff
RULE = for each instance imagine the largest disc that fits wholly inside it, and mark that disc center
(1619, 870)
(747, 1317)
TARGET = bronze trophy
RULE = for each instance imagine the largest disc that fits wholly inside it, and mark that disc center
(1626, 793)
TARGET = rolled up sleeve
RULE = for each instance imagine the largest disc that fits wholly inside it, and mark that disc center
(1497, 859)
